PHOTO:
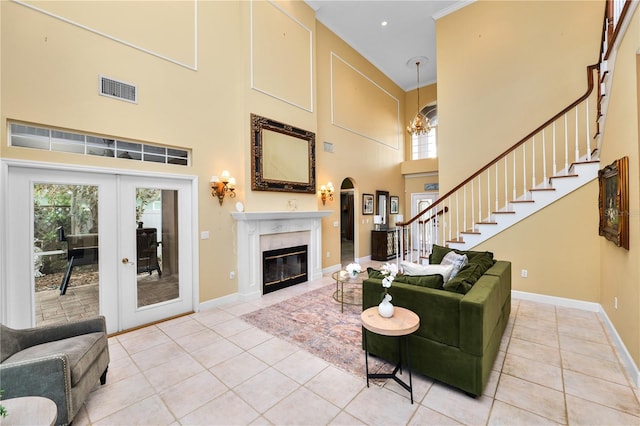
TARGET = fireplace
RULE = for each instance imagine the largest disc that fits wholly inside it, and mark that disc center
(264, 231)
(283, 268)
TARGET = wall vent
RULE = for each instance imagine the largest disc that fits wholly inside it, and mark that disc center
(118, 89)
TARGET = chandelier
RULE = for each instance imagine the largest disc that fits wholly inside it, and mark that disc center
(420, 124)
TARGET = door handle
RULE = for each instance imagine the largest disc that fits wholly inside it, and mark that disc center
(125, 261)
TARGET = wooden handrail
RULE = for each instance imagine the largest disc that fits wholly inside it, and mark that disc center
(590, 84)
(611, 31)
(440, 213)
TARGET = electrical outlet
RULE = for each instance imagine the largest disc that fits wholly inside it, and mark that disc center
(615, 302)
(524, 273)
(328, 254)
(232, 275)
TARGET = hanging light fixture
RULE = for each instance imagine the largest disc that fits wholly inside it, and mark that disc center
(420, 124)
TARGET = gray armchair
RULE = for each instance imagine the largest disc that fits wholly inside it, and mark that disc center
(62, 362)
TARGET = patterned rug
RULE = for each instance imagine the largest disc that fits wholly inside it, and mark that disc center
(314, 322)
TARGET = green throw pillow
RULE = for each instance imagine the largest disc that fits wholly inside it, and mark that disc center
(431, 281)
(465, 279)
(374, 273)
(438, 252)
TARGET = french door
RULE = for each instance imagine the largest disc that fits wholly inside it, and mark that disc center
(88, 243)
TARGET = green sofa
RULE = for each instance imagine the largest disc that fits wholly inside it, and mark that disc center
(459, 335)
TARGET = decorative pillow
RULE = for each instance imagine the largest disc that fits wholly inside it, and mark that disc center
(438, 252)
(465, 279)
(374, 273)
(410, 268)
(458, 261)
(431, 281)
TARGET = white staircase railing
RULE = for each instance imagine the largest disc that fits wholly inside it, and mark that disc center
(548, 153)
(537, 169)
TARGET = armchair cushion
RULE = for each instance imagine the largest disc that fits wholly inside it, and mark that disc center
(62, 362)
(81, 351)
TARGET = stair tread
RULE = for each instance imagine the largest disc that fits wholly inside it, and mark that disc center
(522, 201)
(542, 189)
(505, 212)
(471, 232)
(486, 223)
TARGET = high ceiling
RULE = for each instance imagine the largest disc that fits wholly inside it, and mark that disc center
(408, 34)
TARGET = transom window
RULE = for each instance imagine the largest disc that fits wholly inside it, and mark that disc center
(424, 146)
(103, 146)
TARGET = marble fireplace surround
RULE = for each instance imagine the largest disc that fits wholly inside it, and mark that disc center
(259, 231)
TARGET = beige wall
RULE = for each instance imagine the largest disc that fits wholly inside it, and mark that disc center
(371, 161)
(620, 273)
(504, 68)
(266, 58)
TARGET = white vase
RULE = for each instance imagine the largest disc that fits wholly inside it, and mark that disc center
(385, 308)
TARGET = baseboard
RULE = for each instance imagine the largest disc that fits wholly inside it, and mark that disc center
(214, 303)
(625, 357)
(629, 364)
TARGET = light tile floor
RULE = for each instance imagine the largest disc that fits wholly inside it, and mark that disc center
(555, 366)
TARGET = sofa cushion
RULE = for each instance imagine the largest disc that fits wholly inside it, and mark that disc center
(465, 279)
(431, 281)
(410, 268)
(82, 351)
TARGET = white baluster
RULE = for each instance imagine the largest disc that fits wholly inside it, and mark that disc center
(533, 163)
(505, 184)
(588, 130)
(524, 169)
(555, 168)
(566, 145)
(464, 211)
(515, 194)
(544, 159)
(577, 149)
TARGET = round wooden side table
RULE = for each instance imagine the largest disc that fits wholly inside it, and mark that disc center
(30, 410)
(401, 325)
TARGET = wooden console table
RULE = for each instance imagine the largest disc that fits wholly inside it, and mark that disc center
(383, 244)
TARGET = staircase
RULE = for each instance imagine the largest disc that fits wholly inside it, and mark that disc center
(554, 160)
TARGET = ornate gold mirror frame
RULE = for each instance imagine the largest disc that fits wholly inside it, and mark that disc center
(283, 157)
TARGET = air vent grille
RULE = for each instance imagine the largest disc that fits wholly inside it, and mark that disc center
(118, 89)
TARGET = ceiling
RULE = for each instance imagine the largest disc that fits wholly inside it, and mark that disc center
(409, 33)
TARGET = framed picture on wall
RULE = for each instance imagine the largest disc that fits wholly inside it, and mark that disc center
(394, 204)
(367, 203)
(613, 202)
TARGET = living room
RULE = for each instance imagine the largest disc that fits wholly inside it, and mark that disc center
(199, 96)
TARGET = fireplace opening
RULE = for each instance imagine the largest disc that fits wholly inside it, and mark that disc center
(283, 268)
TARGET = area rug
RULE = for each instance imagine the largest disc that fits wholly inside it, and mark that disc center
(314, 321)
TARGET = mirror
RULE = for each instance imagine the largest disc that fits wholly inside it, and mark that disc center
(283, 157)
(382, 207)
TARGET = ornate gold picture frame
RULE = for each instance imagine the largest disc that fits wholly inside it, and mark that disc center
(283, 157)
(613, 202)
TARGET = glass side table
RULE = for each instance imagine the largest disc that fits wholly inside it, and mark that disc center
(348, 290)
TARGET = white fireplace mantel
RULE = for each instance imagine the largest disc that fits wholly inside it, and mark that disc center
(253, 225)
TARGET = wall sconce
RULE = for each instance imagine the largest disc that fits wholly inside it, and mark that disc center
(222, 185)
(326, 191)
(377, 221)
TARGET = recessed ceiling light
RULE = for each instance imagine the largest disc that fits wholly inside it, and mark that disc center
(384, 23)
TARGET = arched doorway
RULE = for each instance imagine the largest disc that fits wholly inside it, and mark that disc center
(347, 222)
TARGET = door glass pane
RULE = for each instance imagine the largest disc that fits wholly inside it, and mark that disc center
(156, 246)
(65, 261)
